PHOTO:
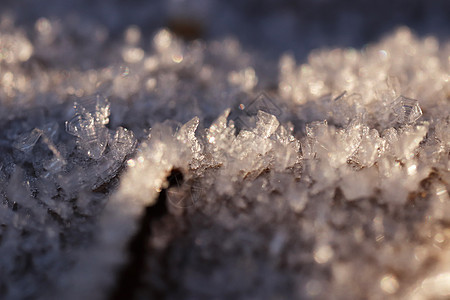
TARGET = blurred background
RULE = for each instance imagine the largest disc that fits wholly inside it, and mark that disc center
(269, 27)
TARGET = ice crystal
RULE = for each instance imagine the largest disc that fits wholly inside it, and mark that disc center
(406, 111)
(26, 141)
(88, 125)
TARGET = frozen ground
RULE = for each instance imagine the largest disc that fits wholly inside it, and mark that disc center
(212, 150)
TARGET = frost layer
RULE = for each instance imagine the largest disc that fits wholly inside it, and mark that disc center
(336, 185)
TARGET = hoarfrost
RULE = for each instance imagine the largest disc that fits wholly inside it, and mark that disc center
(340, 167)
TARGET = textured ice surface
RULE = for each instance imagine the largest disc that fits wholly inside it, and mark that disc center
(323, 179)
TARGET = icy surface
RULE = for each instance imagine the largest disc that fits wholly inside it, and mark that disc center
(326, 178)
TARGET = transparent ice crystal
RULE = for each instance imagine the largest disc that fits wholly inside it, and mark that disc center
(405, 110)
(91, 114)
(26, 141)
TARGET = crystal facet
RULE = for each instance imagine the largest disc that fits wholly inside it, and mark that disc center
(406, 111)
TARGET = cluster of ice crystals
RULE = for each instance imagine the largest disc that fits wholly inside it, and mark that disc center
(352, 185)
(345, 165)
(375, 80)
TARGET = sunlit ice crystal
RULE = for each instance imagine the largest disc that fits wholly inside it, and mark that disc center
(406, 110)
(92, 137)
(122, 143)
(404, 142)
(330, 144)
(97, 105)
(286, 149)
(186, 134)
(369, 149)
(220, 136)
(88, 125)
(266, 124)
(345, 107)
(79, 124)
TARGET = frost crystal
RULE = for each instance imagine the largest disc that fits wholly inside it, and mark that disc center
(193, 169)
(26, 141)
(88, 125)
(406, 111)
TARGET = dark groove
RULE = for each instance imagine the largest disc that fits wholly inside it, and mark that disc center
(130, 276)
